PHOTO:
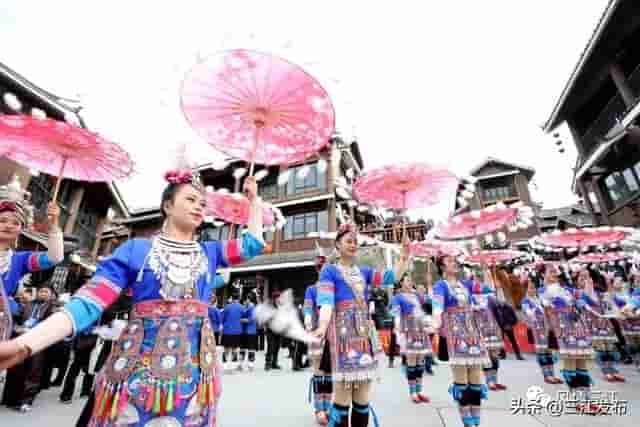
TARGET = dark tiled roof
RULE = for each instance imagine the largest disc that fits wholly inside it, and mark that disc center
(529, 171)
(563, 211)
(581, 220)
(554, 120)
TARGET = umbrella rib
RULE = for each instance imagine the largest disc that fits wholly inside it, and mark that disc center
(242, 97)
(207, 84)
(210, 108)
(255, 86)
(275, 98)
(245, 90)
(267, 81)
(219, 99)
(276, 101)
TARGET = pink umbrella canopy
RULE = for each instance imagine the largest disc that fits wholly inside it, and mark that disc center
(601, 258)
(61, 149)
(494, 257)
(257, 107)
(405, 186)
(234, 208)
(476, 223)
(576, 238)
(433, 248)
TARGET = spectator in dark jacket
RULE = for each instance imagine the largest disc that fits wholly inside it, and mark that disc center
(507, 319)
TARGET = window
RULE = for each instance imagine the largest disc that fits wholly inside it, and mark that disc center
(313, 180)
(498, 193)
(216, 233)
(268, 188)
(299, 226)
(86, 225)
(621, 186)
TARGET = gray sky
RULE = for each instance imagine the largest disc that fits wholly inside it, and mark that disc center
(437, 83)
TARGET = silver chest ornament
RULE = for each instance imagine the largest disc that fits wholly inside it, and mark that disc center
(177, 266)
(5, 260)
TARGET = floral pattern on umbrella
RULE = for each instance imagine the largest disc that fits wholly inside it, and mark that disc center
(494, 257)
(257, 107)
(601, 258)
(575, 238)
(476, 223)
(50, 146)
(405, 186)
(234, 208)
(434, 248)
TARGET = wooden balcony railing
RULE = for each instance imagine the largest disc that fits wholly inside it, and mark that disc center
(393, 234)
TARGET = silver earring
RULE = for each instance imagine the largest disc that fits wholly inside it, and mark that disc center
(164, 227)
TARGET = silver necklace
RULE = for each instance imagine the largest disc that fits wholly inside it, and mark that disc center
(460, 292)
(5, 260)
(177, 265)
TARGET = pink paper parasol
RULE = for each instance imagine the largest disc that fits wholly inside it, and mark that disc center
(434, 248)
(234, 208)
(257, 107)
(576, 238)
(494, 257)
(601, 258)
(405, 186)
(63, 150)
(476, 223)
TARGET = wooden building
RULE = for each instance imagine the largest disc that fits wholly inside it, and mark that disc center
(308, 201)
(600, 106)
(572, 216)
(83, 205)
(500, 181)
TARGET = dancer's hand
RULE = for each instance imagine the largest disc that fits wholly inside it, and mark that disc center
(251, 188)
(406, 245)
(53, 215)
(319, 333)
(628, 310)
(12, 353)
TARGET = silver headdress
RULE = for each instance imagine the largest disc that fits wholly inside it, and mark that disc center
(14, 199)
(183, 171)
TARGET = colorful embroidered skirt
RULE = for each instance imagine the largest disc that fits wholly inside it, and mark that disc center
(489, 329)
(351, 354)
(465, 342)
(414, 338)
(630, 327)
(572, 332)
(601, 329)
(6, 323)
(162, 371)
(539, 331)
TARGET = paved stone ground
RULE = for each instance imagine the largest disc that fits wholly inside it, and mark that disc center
(272, 399)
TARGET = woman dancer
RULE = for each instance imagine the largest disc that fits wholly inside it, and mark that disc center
(453, 310)
(162, 370)
(413, 335)
(484, 296)
(424, 297)
(344, 319)
(16, 215)
(630, 326)
(604, 338)
(321, 385)
(573, 335)
(539, 332)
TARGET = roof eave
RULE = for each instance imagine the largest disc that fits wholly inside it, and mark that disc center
(553, 121)
(46, 97)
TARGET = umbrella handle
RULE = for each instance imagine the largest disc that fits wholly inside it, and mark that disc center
(59, 181)
(254, 150)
